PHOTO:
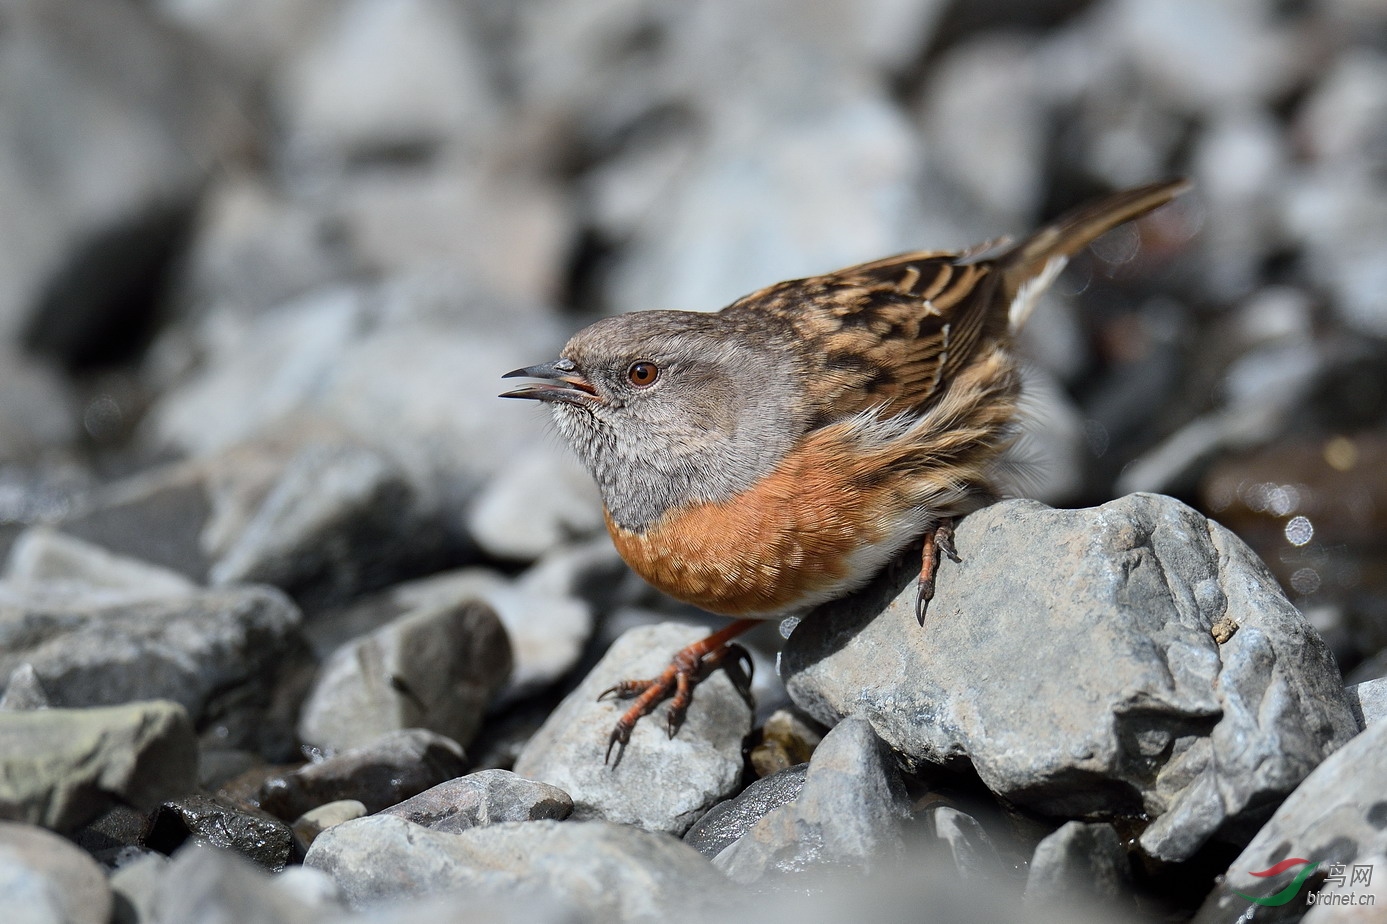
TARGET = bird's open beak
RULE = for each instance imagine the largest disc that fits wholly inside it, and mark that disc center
(563, 382)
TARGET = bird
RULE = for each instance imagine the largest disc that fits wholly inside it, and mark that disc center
(766, 458)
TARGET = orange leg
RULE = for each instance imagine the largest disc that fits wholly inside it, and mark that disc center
(687, 667)
(940, 538)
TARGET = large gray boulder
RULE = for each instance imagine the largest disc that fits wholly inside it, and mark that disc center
(1133, 657)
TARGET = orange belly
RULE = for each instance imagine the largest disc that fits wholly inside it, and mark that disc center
(794, 539)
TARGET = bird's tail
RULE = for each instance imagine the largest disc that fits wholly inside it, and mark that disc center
(1029, 268)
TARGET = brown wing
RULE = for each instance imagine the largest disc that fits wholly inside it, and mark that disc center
(894, 332)
(883, 333)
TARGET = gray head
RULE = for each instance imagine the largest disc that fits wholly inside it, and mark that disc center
(668, 407)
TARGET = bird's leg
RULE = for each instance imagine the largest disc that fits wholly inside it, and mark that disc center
(688, 666)
(939, 538)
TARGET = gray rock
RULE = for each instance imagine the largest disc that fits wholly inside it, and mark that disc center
(546, 498)
(1337, 815)
(1368, 701)
(39, 414)
(850, 812)
(727, 821)
(116, 837)
(608, 872)
(62, 767)
(315, 821)
(43, 877)
(24, 691)
(265, 841)
(387, 771)
(41, 555)
(659, 783)
(135, 886)
(436, 668)
(485, 798)
(109, 129)
(1078, 860)
(219, 653)
(205, 885)
(966, 841)
(1119, 699)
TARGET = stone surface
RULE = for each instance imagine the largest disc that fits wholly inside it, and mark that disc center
(963, 840)
(315, 821)
(729, 820)
(1368, 701)
(787, 739)
(659, 783)
(384, 772)
(44, 556)
(850, 812)
(1116, 698)
(485, 798)
(24, 691)
(218, 653)
(1338, 815)
(62, 767)
(43, 877)
(109, 129)
(437, 667)
(204, 884)
(1078, 860)
(545, 499)
(607, 871)
(265, 841)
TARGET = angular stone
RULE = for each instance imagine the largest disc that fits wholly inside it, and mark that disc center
(265, 841)
(219, 653)
(545, 499)
(1368, 701)
(727, 821)
(43, 877)
(850, 812)
(42, 555)
(315, 821)
(787, 739)
(1078, 860)
(62, 767)
(1119, 698)
(608, 872)
(1337, 815)
(379, 774)
(205, 884)
(24, 691)
(659, 783)
(485, 798)
(967, 842)
(437, 668)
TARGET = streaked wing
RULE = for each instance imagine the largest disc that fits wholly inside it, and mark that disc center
(887, 332)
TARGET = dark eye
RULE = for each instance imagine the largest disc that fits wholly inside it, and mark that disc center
(643, 374)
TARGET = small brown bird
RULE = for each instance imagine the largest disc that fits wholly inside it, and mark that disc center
(777, 454)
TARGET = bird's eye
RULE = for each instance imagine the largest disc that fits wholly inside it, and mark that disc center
(643, 374)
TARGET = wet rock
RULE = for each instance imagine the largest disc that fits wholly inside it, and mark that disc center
(485, 798)
(62, 767)
(206, 884)
(1337, 815)
(659, 783)
(108, 132)
(850, 812)
(545, 499)
(43, 877)
(1368, 701)
(608, 871)
(265, 841)
(437, 668)
(965, 840)
(1145, 712)
(1078, 859)
(24, 691)
(116, 837)
(727, 821)
(387, 771)
(787, 739)
(218, 653)
(315, 821)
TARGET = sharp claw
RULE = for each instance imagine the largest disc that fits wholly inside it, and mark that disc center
(744, 659)
(619, 736)
(921, 601)
(610, 691)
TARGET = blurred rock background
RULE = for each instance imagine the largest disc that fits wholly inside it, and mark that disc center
(262, 261)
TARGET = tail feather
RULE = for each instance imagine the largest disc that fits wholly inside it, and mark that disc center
(1030, 267)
